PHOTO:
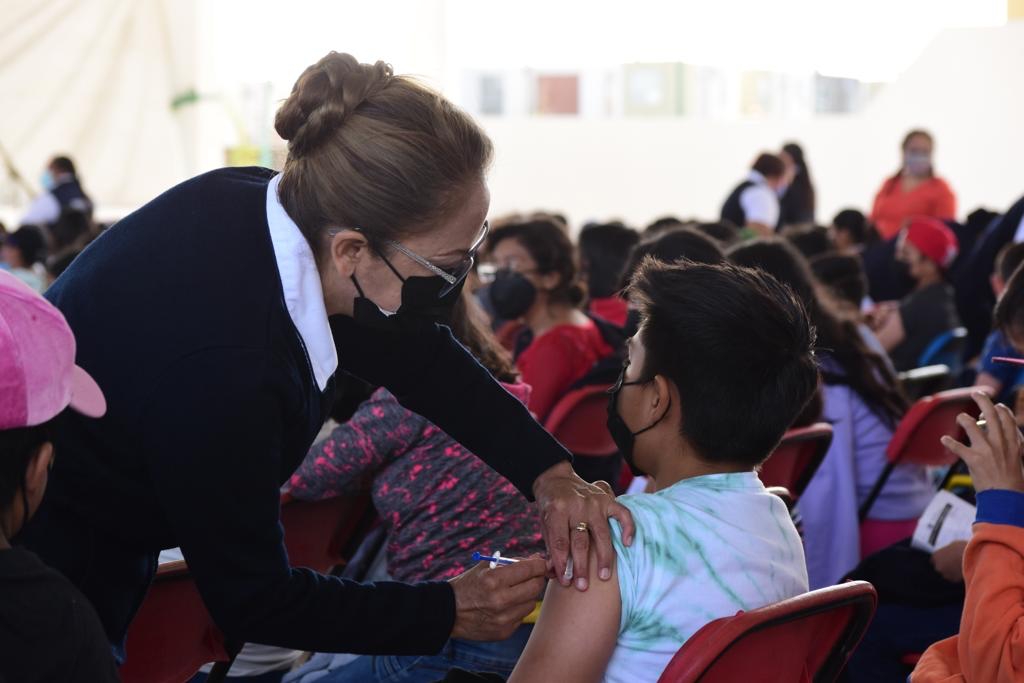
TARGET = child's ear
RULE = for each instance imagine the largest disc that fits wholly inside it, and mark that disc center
(663, 394)
(38, 468)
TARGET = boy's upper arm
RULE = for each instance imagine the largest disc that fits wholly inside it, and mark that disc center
(575, 634)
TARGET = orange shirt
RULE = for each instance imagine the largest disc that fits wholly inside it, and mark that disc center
(990, 646)
(933, 198)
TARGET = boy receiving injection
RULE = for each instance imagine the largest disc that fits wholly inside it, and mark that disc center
(720, 367)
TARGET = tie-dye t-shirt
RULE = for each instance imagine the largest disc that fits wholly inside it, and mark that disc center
(705, 548)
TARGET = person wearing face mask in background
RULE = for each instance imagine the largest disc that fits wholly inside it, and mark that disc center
(205, 315)
(906, 328)
(62, 191)
(796, 204)
(536, 283)
(914, 191)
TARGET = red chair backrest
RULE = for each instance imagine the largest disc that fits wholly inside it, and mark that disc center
(797, 457)
(917, 436)
(172, 635)
(316, 533)
(578, 421)
(806, 638)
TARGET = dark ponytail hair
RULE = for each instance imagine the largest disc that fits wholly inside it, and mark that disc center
(468, 324)
(551, 249)
(800, 193)
(865, 371)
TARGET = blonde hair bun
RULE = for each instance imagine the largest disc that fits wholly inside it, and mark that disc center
(324, 96)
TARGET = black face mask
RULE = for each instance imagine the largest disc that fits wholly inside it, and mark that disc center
(511, 294)
(420, 305)
(621, 434)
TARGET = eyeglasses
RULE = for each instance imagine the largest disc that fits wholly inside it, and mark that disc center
(621, 381)
(453, 275)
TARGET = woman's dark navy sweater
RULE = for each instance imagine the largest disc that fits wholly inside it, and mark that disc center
(179, 315)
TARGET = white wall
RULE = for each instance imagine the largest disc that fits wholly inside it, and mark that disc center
(965, 88)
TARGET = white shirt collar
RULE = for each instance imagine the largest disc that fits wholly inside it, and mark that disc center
(303, 293)
(756, 177)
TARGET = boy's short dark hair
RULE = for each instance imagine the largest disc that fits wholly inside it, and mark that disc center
(769, 165)
(1008, 259)
(853, 222)
(663, 224)
(844, 275)
(810, 242)
(723, 232)
(604, 249)
(17, 446)
(671, 246)
(739, 347)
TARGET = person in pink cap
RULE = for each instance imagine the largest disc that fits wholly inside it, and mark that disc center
(48, 630)
(928, 248)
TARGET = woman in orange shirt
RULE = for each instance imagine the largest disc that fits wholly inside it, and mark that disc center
(914, 191)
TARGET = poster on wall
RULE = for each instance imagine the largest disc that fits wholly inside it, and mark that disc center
(558, 94)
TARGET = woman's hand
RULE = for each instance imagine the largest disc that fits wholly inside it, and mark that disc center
(565, 501)
(949, 561)
(490, 604)
(994, 456)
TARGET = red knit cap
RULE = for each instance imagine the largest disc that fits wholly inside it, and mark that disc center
(933, 239)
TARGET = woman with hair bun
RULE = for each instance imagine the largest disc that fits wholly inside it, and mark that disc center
(216, 317)
(537, 282)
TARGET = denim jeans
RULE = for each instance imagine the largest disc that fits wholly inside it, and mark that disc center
(499, 658)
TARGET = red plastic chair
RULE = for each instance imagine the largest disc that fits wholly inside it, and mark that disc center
(320, 534)
(806, 638)
(797, 457)
(917, 437)
(172, 635)
(578, 422)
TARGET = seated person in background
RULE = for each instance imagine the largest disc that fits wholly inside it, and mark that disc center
(721, 365)
(536, 283)
(863, 403)
(604, 249)
(668, 246)
(1002, 378)
(850, 231)
(810, 241)
(400, 457)
(927, 246)
(989, 647)
(754, 204)
(843, 277)
(62, 191)
(48, 630)
(23, 253)
(663, 224)
(725, 234)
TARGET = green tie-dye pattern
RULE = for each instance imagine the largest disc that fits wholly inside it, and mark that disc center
(692, 531)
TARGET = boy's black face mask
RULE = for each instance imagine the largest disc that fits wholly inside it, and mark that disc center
(621, 434)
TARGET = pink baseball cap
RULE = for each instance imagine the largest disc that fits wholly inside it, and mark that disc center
(38, 375)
